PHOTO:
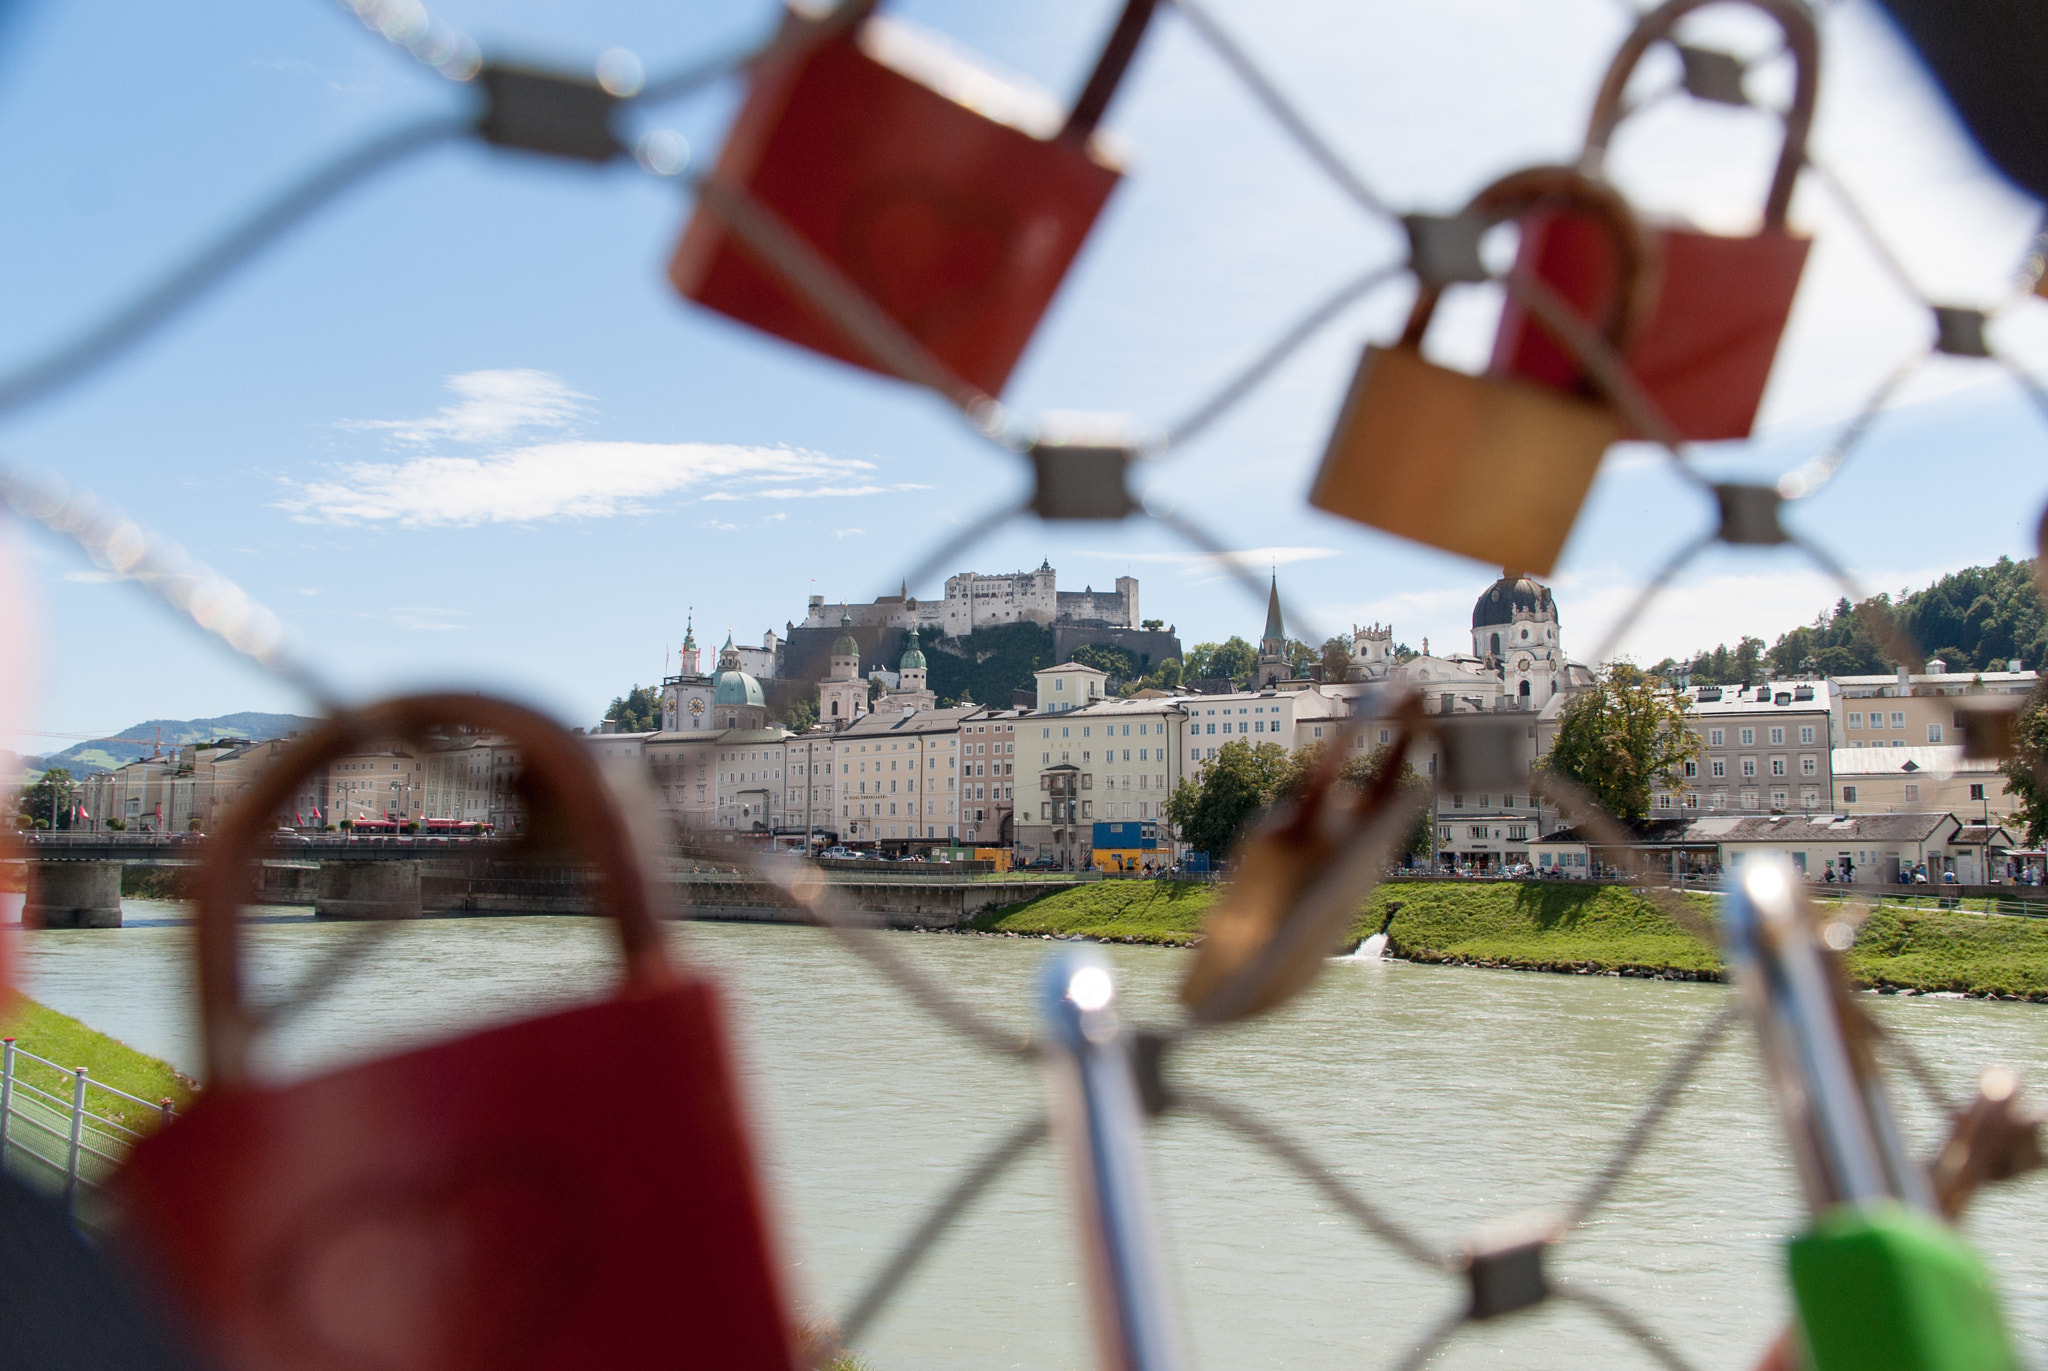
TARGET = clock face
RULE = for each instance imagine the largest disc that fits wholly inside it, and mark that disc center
(696, 706)
(1522, 665)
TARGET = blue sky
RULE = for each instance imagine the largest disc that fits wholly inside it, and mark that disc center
(457, 430)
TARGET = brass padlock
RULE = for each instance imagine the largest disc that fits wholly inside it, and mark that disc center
(1488, 466)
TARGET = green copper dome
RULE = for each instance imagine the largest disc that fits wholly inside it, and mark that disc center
(912, 659)
(736, 688)
(846, 646)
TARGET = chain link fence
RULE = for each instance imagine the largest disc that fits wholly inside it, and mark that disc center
(1324, 857)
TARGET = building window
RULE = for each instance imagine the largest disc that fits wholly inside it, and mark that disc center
(1777, 766)
(1809, 766)
(1848, 794)
(1806, 733)
(1934, 733)
(1748, 736)
(1855, 719)
(1716, 737)
(1717, 767)
(1912, 793)
(1457, 802)
(1749, 766)
(1692, 768)
(1777, 736)
(1898, 719)
(1976, 792)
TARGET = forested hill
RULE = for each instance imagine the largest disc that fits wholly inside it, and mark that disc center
(1976, 619)
(107, 753)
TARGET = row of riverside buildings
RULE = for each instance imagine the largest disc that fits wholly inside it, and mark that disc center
(1076, 775)
(464, 782)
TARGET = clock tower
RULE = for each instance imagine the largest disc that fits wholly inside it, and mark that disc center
(686, 696)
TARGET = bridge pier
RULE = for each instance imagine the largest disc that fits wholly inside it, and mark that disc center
(73, 895)
(368, 890)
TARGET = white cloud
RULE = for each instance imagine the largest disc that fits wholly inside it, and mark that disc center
(423, 618)
(849, 533)
(1201, 567)
(575, 479)
(493, 405)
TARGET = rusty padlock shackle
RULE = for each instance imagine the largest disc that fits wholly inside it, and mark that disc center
(1801, 39)
(1100, 88)
(1564, 188)
(549, 754)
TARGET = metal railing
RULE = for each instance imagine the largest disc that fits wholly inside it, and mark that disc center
(57, 1141)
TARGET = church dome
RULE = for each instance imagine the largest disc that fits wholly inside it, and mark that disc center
(1497, 605)
(847, 646)
(736, 688)
(912, 659)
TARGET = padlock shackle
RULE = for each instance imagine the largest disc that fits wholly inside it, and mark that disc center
(1801, 39)
(568, 779)
(1093, 102)
(1096, 93)
(1566, 189)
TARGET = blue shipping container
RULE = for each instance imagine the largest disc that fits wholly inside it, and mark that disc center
(1130, 835)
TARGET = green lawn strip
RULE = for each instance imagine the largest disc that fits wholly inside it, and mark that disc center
(1926, 950)
(1168, 912)
(1542, 926)
(1556, 926)
(43, 1031)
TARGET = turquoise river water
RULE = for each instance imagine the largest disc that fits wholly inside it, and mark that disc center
(1453, 1096)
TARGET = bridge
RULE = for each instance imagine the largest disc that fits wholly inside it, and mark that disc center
(77, 882)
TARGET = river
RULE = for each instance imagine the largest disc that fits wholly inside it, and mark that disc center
(1453, 1096)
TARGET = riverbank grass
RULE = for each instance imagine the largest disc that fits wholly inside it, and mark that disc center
(1560, 926)
(39, 1029)
(1167, 912)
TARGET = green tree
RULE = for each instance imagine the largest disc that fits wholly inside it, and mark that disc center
(1749, 658)
(989, 664)
(47, 803)
(1623, 740)
(1361, 772)
(1236, 661)
(1241, 780)
(1120, 663)
(1165, 676)
(637, 711)
(1335, 659)
(1300, 657)
(803, 715)
(2025, 767)
(1195, 661)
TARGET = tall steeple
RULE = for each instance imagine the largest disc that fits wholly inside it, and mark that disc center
(1274, 641)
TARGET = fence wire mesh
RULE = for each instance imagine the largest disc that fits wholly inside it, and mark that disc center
(1079, 478)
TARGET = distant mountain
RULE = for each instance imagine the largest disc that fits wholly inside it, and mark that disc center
(105, 754)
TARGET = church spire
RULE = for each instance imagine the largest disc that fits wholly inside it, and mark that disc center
(1275, 631)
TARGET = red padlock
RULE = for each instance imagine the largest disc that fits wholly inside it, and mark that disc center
(450, 1208)
(1705, 350)
(954, 199)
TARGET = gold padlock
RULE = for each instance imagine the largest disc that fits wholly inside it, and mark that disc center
(1491, 467)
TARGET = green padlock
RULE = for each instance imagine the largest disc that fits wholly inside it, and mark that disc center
(1886, 1288)
(1881, 1282)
